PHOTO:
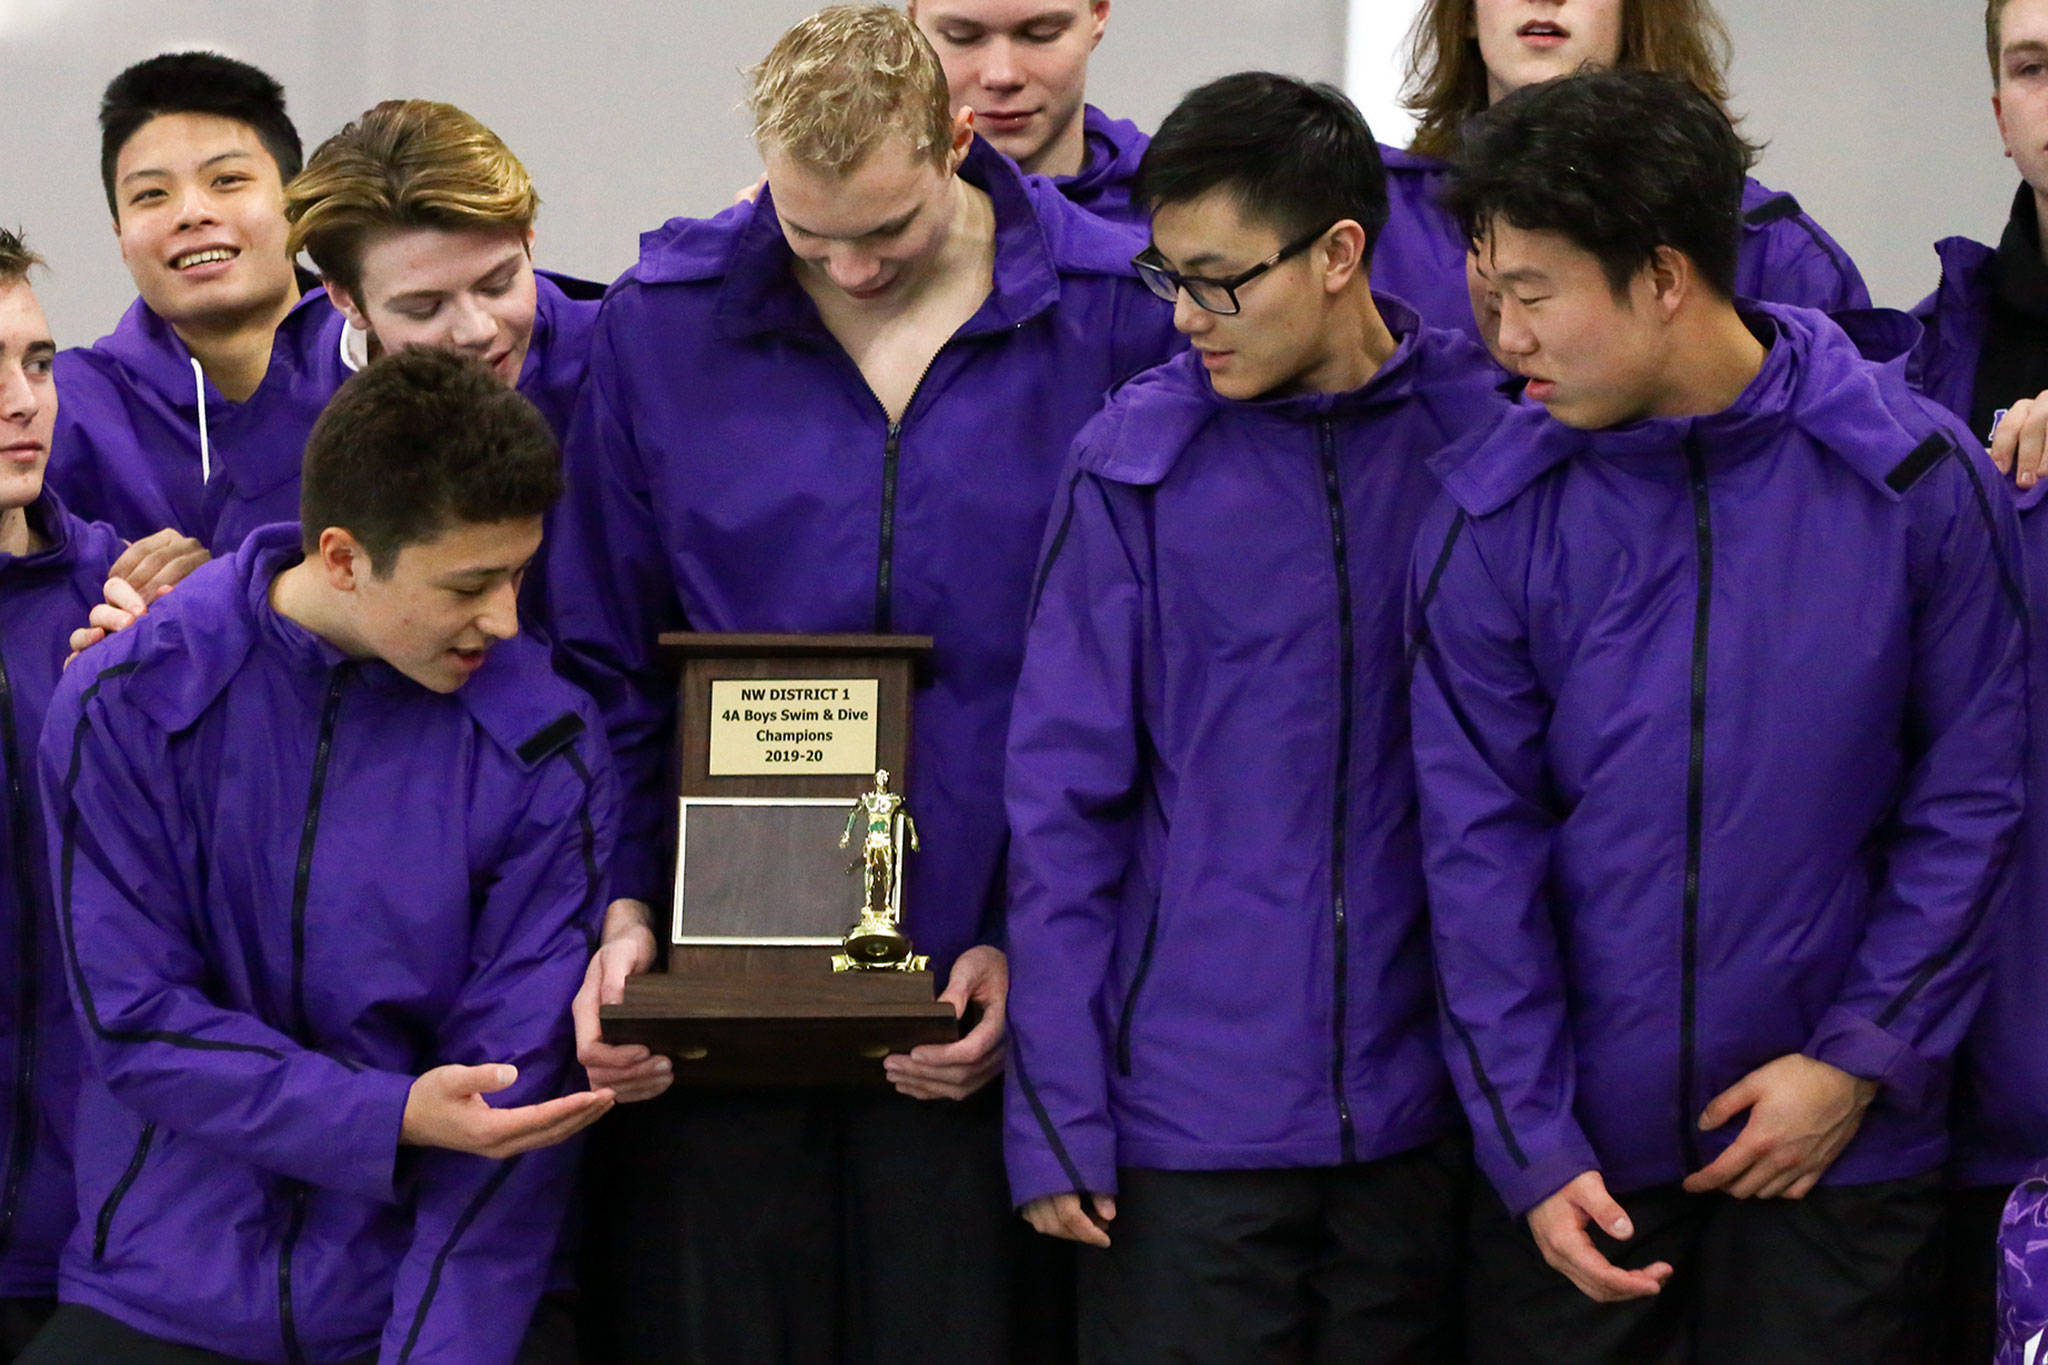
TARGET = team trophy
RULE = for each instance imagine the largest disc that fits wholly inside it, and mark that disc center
(877, 942)
(765, 985)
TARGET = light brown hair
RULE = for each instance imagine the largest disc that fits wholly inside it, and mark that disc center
(1994, 36)
(842, 80)
(404, 164)
(16, 260)
(1446, 81)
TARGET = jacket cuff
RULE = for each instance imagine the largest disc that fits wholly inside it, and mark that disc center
(367, 1128)
(1523, 1187)
(1851, 1043)
(1037, 1171)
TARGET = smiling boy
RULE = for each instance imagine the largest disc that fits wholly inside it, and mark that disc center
(221, 366)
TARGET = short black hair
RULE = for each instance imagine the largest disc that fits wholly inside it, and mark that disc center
(1619, 163)
(420, 441)
(1295, 154)
(195, 83)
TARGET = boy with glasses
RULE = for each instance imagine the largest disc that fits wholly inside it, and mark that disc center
(1225, 1080)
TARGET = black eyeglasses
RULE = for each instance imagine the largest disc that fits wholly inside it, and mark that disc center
(1215, 296)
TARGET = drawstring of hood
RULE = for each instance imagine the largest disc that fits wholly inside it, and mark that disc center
(205, 447)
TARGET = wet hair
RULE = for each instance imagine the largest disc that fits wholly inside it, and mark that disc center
(16, 260)
(834, 86)
(1294, 154)
(420, 441)
(194, 83)
(404, 164)
(1619, 163)
(1446, 82)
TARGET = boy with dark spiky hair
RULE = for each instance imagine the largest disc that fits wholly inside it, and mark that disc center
(1720, 707)
(329, 840)
(215, 375)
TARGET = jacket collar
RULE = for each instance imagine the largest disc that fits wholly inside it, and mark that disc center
(760, 293)
(150, 350)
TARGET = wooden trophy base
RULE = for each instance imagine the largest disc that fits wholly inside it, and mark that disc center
(753, 1016)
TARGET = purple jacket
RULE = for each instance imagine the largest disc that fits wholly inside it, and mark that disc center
(565, 310)
(130, 450)
(1785, 256)
(2001, 1120)
(43, 597)
(2023, 1272)
(1719, 724)
(1953, 320)
(291, 882)
(1219, 958)
(1103, 186)
(730, 470)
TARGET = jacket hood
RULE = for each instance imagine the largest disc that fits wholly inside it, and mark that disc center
(194, 644)
(66, 539)
(157, 359)
(1115, 146)
(1039, 237)
(1816, 377)
(1400, 159)
(1140, 434)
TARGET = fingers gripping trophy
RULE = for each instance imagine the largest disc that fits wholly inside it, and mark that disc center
(877, 941)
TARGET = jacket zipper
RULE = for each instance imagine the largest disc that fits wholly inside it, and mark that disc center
(330, 711)
(28, 993)
(892, 450)
(286, 1323)
(1340, 807)
(105, 1224)
(1695, 803)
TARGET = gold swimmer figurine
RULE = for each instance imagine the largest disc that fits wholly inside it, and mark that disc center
(877, 941)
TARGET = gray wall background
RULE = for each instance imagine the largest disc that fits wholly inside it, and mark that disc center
(625, 111)
(1876, 111)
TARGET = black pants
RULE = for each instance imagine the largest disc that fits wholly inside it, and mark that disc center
(1849, 1273)
(1969, 1299)
(1344, 1265)
(77, 1335)
(20, 1320)
(813, 1227)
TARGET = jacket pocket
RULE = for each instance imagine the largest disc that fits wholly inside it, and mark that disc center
(1138, 979)
(120, 1191)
